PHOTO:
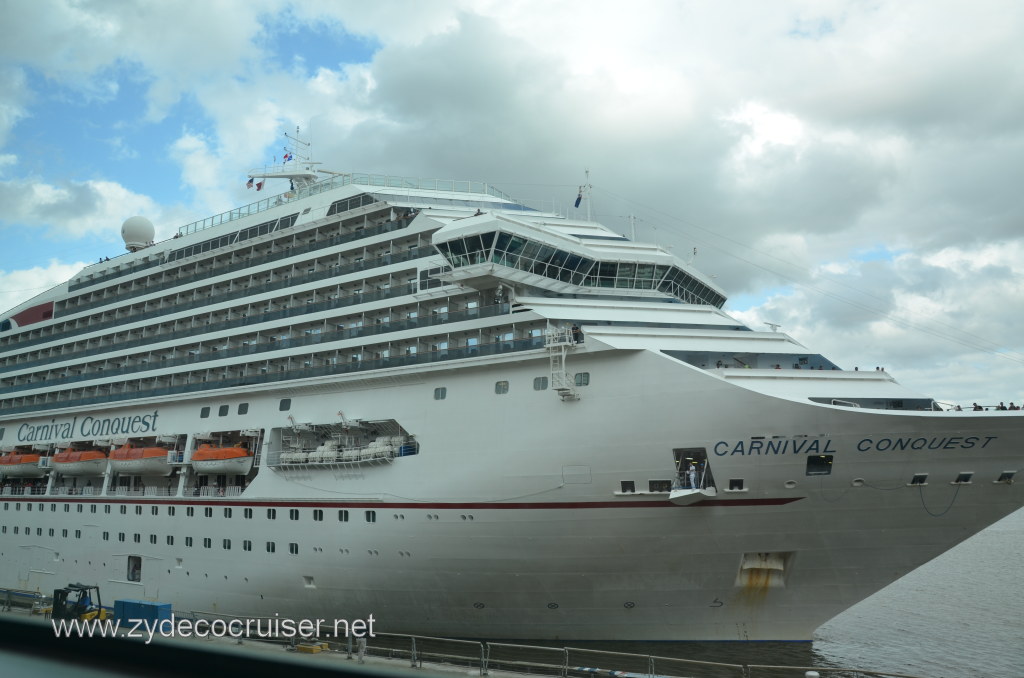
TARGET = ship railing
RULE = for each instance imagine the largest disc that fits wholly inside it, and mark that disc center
(147, 491)
(218, 492)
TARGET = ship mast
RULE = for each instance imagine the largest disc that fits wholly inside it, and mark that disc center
(297, 164)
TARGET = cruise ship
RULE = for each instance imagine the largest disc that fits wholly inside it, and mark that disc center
(426, 401)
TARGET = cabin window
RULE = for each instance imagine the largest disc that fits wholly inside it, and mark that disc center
(136, 537)
(318, 514)
(204, 413)
(222, 411)
(170, 510)
(170, 540)
(124, 509)
(120, 536)
(138, 510)
(371, 516)
(190, 511)
(819, 465)
(582, 379)
(247, 545)
(106, 535)
(440, 393)
(243, 408)
(152, 539)
(188, 542)
(271, 547)
(207, 542)
(659, 485)
(247, 514)
(293, 514)
(540, 383)
(501, 387)
(134, 568)
(208, 511)
(271, 514)
(285, 404)
(343, 515)
(735, 484)
(293, 548)
(627, 486)
(155, 510)
(226, 544)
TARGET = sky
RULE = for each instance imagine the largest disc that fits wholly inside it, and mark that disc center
(848, 170)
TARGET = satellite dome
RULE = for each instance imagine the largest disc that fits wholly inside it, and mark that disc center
(138, 232)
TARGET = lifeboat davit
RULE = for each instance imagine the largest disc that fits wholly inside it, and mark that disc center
(210, 460)
(16, 465)
(140, 461)
(73, 462)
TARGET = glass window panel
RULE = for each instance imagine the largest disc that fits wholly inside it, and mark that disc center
(531, 250)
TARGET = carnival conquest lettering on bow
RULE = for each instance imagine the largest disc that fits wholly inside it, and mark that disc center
(88, 427)
(825, 446)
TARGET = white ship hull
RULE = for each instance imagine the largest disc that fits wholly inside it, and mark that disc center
(502, 530)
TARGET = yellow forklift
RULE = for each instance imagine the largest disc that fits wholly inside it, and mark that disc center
(78, 601)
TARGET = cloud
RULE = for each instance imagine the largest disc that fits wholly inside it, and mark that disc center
(73, 208)
(19, 285)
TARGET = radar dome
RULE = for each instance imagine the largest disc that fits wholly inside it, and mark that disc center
(138, 232)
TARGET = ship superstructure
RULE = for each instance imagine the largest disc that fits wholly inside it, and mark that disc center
(426, 401)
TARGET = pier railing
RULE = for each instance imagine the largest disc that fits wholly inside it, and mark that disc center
(486, 658)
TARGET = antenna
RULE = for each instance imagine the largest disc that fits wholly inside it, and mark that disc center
(775, 326)
(585, 188)
(632, 224)
(301, 150)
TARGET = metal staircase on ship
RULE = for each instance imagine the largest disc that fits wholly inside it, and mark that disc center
(559, 341)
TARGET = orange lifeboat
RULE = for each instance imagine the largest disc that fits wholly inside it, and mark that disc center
(210, 459)
(140, 461)
(15, 465)
(72, 462)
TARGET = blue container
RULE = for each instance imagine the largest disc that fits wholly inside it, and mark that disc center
(145, 610)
